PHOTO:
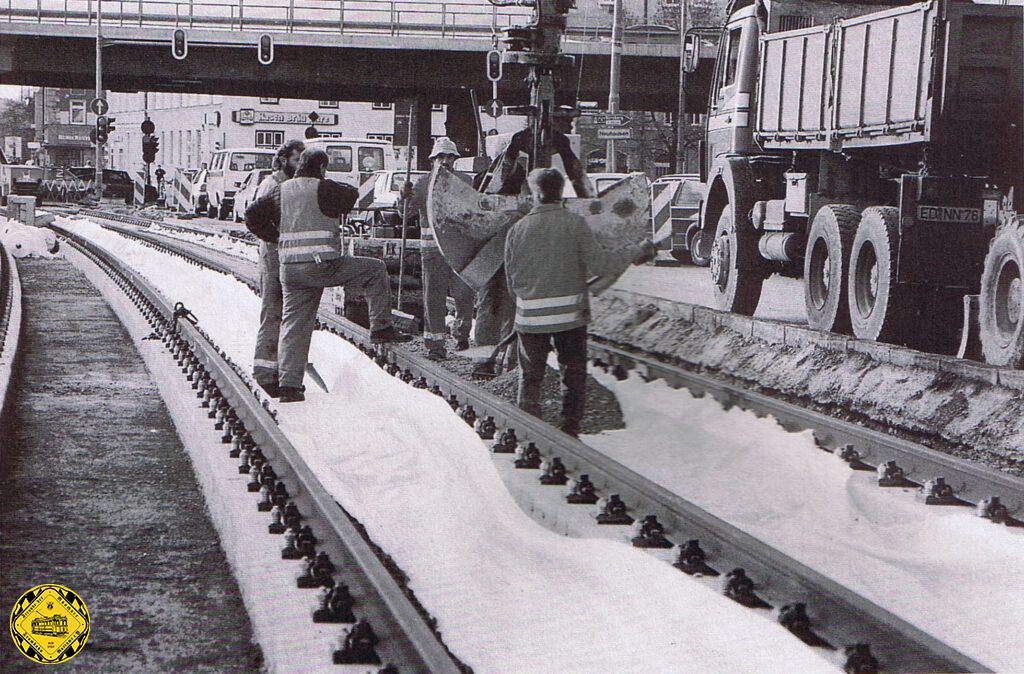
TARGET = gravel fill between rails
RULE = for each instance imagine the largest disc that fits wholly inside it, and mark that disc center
(962, 417)
(112, 510)
(602, 414)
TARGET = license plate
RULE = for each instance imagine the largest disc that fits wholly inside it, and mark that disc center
(949, 214)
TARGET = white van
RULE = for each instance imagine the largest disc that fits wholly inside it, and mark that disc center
(355, 160)
(227, 170)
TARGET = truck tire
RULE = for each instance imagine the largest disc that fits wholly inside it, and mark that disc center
(223, 211)
(693, 245)
(211, 211)
(736, 290)
(879, 305)
(826, 266)
(1001, 307)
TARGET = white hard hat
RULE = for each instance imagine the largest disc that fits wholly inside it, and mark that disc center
(444, 145)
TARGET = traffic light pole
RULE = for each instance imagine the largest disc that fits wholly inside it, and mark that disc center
(615, 70)
(98, 177)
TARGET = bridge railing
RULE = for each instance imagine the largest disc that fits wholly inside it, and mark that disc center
(438, 18)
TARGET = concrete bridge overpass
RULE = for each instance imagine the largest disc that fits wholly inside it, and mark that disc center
(361, 50)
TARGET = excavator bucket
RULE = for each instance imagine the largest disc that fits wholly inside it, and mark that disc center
(470, 227)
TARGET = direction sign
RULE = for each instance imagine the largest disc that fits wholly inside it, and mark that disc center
(621, 133)
(494, 107)
(99, 106)
(613, 119)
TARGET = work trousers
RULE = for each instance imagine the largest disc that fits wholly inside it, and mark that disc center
(495, 311)
(264, 364)
(440, 281)
(303, 284)
(571, 349)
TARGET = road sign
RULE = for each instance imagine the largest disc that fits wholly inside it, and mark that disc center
(611, 120)
(494, 107)
(99, 106)
(619, 133)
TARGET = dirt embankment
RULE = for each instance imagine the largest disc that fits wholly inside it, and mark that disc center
(951, 406)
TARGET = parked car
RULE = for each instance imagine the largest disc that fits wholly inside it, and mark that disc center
(685, 242)
(116, 184)
(246, 193)
(227, 170)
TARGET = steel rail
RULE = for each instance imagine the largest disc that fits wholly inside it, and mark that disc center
(840, 616)
(971, 482)
(406, 640)
(10, 323)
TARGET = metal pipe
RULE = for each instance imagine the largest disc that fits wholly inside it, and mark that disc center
(613, 85)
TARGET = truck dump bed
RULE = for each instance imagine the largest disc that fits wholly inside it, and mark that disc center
(945, 72)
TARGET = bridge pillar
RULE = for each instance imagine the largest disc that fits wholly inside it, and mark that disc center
(423, 130)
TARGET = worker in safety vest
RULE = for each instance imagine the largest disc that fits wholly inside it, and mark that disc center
(439, 279)
(264, 363)
(549, 254)
(302, 214)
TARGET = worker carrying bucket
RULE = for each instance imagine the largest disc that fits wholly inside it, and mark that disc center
(439, 279)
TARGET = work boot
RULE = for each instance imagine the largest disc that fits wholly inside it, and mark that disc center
(462, 344)
(272, 389)
(388, 334)
(292, 394)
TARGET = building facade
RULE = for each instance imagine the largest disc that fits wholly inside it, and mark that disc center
(63, 123)
(190, 127)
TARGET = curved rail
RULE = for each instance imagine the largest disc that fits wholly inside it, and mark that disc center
(838, 615)
(406, 639)
(10, 322)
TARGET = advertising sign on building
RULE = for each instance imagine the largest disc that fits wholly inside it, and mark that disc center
(68, 135)
(250, 116)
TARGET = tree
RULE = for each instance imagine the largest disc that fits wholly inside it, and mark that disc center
(16, 119)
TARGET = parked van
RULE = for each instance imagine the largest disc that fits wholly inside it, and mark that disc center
(227, 170)
(355, 160)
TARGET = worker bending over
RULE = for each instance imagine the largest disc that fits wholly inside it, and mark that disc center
(439, 279)
(549, 254)
(303, 215)
(264, 364)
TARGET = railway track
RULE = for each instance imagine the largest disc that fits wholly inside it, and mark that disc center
(390, 628)
(813, 606)
(10, 320)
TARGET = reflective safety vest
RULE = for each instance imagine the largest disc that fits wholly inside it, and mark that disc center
(307, 235)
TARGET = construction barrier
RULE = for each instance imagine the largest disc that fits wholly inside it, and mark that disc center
(662, 195)
(178, 192)
(139, 182)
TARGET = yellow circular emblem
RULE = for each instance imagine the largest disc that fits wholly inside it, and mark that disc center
(49, 624)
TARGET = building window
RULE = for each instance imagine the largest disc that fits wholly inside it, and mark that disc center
(437, 107)
(270, 101)
(380, 106)
(269, 138)
(389, 137)
(328, 104)
(77, 112)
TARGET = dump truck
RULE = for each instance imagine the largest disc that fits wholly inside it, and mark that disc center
(875, 150)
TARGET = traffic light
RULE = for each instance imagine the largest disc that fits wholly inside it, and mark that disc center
(265, 49)
(179, 45)
(104, 125)
(522, 38)
(150, 145)
(494, 68)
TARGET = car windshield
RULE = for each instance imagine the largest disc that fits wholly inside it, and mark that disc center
(689, 193)
(371, 159)
(340, 158)
(247, 161)
(398, 179)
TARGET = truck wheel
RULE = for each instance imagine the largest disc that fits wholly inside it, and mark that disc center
(736, 290)
(826, 266)
(878, 304)
(693, 244)
(1001, 307)
(224, 211)
(211, 212)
